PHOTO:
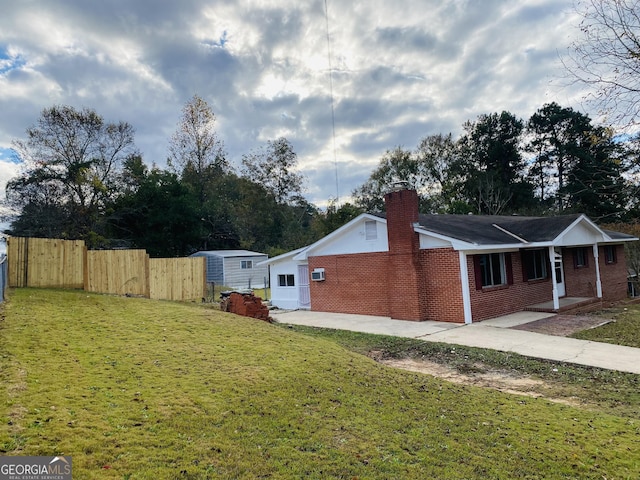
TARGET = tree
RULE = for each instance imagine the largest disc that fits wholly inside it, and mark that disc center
(490, 169)
(424, 170)
(607, 57)
(274, 167)
(334, 217)
(71, 169)
(559, 136)
(195, 150)
(156, 212)
(595, 183)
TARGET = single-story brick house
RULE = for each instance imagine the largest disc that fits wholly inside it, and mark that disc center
(455, 268)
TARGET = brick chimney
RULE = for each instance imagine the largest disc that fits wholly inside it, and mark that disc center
(404, 261)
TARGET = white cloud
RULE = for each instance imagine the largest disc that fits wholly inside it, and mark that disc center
(402, 70)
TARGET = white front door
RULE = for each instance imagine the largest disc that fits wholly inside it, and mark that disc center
(304, 295)
(557, 264)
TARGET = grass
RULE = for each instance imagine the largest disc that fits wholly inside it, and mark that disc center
(624, 330)
(601, 390)
(140, 389)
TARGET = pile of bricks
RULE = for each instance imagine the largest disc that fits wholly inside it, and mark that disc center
(247, 305)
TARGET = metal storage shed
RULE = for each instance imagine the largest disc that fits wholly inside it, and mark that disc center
(235, 268)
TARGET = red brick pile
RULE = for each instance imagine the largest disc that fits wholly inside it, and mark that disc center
(247, 305)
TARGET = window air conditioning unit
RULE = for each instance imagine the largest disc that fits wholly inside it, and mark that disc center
(317, 275)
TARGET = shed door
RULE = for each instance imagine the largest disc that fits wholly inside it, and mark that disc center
(304, 295)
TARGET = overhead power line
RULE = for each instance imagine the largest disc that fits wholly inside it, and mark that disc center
(333, 115)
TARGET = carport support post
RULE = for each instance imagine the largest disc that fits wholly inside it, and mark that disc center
(554, 280)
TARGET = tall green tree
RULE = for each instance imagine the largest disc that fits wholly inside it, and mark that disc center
(560, 138)
(155, 211)
(595, 184)
(490, 169)
(72, 160)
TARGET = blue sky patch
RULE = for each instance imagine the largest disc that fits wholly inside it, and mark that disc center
(9, 62)
(220, 43)
(9, 155)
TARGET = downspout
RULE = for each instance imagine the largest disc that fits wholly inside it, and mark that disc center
(464, 282)
(596, 256)
(554, 280)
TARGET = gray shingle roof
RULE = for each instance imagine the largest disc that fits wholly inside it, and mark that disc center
(482, 230)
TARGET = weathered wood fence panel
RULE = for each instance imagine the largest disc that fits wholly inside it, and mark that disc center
(119, 272)
(177, 278)
(45, 262)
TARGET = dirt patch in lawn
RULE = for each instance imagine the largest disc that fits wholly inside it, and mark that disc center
(564, 325)
(479, 376)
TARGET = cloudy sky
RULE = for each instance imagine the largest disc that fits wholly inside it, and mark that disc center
(401, 70)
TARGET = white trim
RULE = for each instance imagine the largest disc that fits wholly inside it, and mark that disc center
(504, 230)
(457, 244)
(596, 257)
(464, 281)
(281, 257)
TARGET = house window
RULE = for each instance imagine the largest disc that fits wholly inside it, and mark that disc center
(535, 264)
(492, 269)
(580, 257)
(286, 281)
(610, 254)
(246, 264)
(370, 230)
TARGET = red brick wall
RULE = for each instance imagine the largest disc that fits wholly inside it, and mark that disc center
(441, 292)
(503, 300)
(354, 284)
(581, 282)
(614, 276)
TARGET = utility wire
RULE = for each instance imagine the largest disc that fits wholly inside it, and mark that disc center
(333, 115)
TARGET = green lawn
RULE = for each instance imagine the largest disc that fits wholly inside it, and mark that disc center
(625, 330)
(134, 388)
(604, 391)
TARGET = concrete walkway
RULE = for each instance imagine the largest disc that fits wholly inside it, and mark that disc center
(494, 334)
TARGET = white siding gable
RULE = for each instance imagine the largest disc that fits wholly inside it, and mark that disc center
(364, 236)
(428, 241)
(580, 234)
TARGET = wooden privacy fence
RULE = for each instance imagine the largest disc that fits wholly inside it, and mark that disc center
(121, 272)
(53, 263)
(45, 262)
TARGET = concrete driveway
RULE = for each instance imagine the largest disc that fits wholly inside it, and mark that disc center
(495, 334)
